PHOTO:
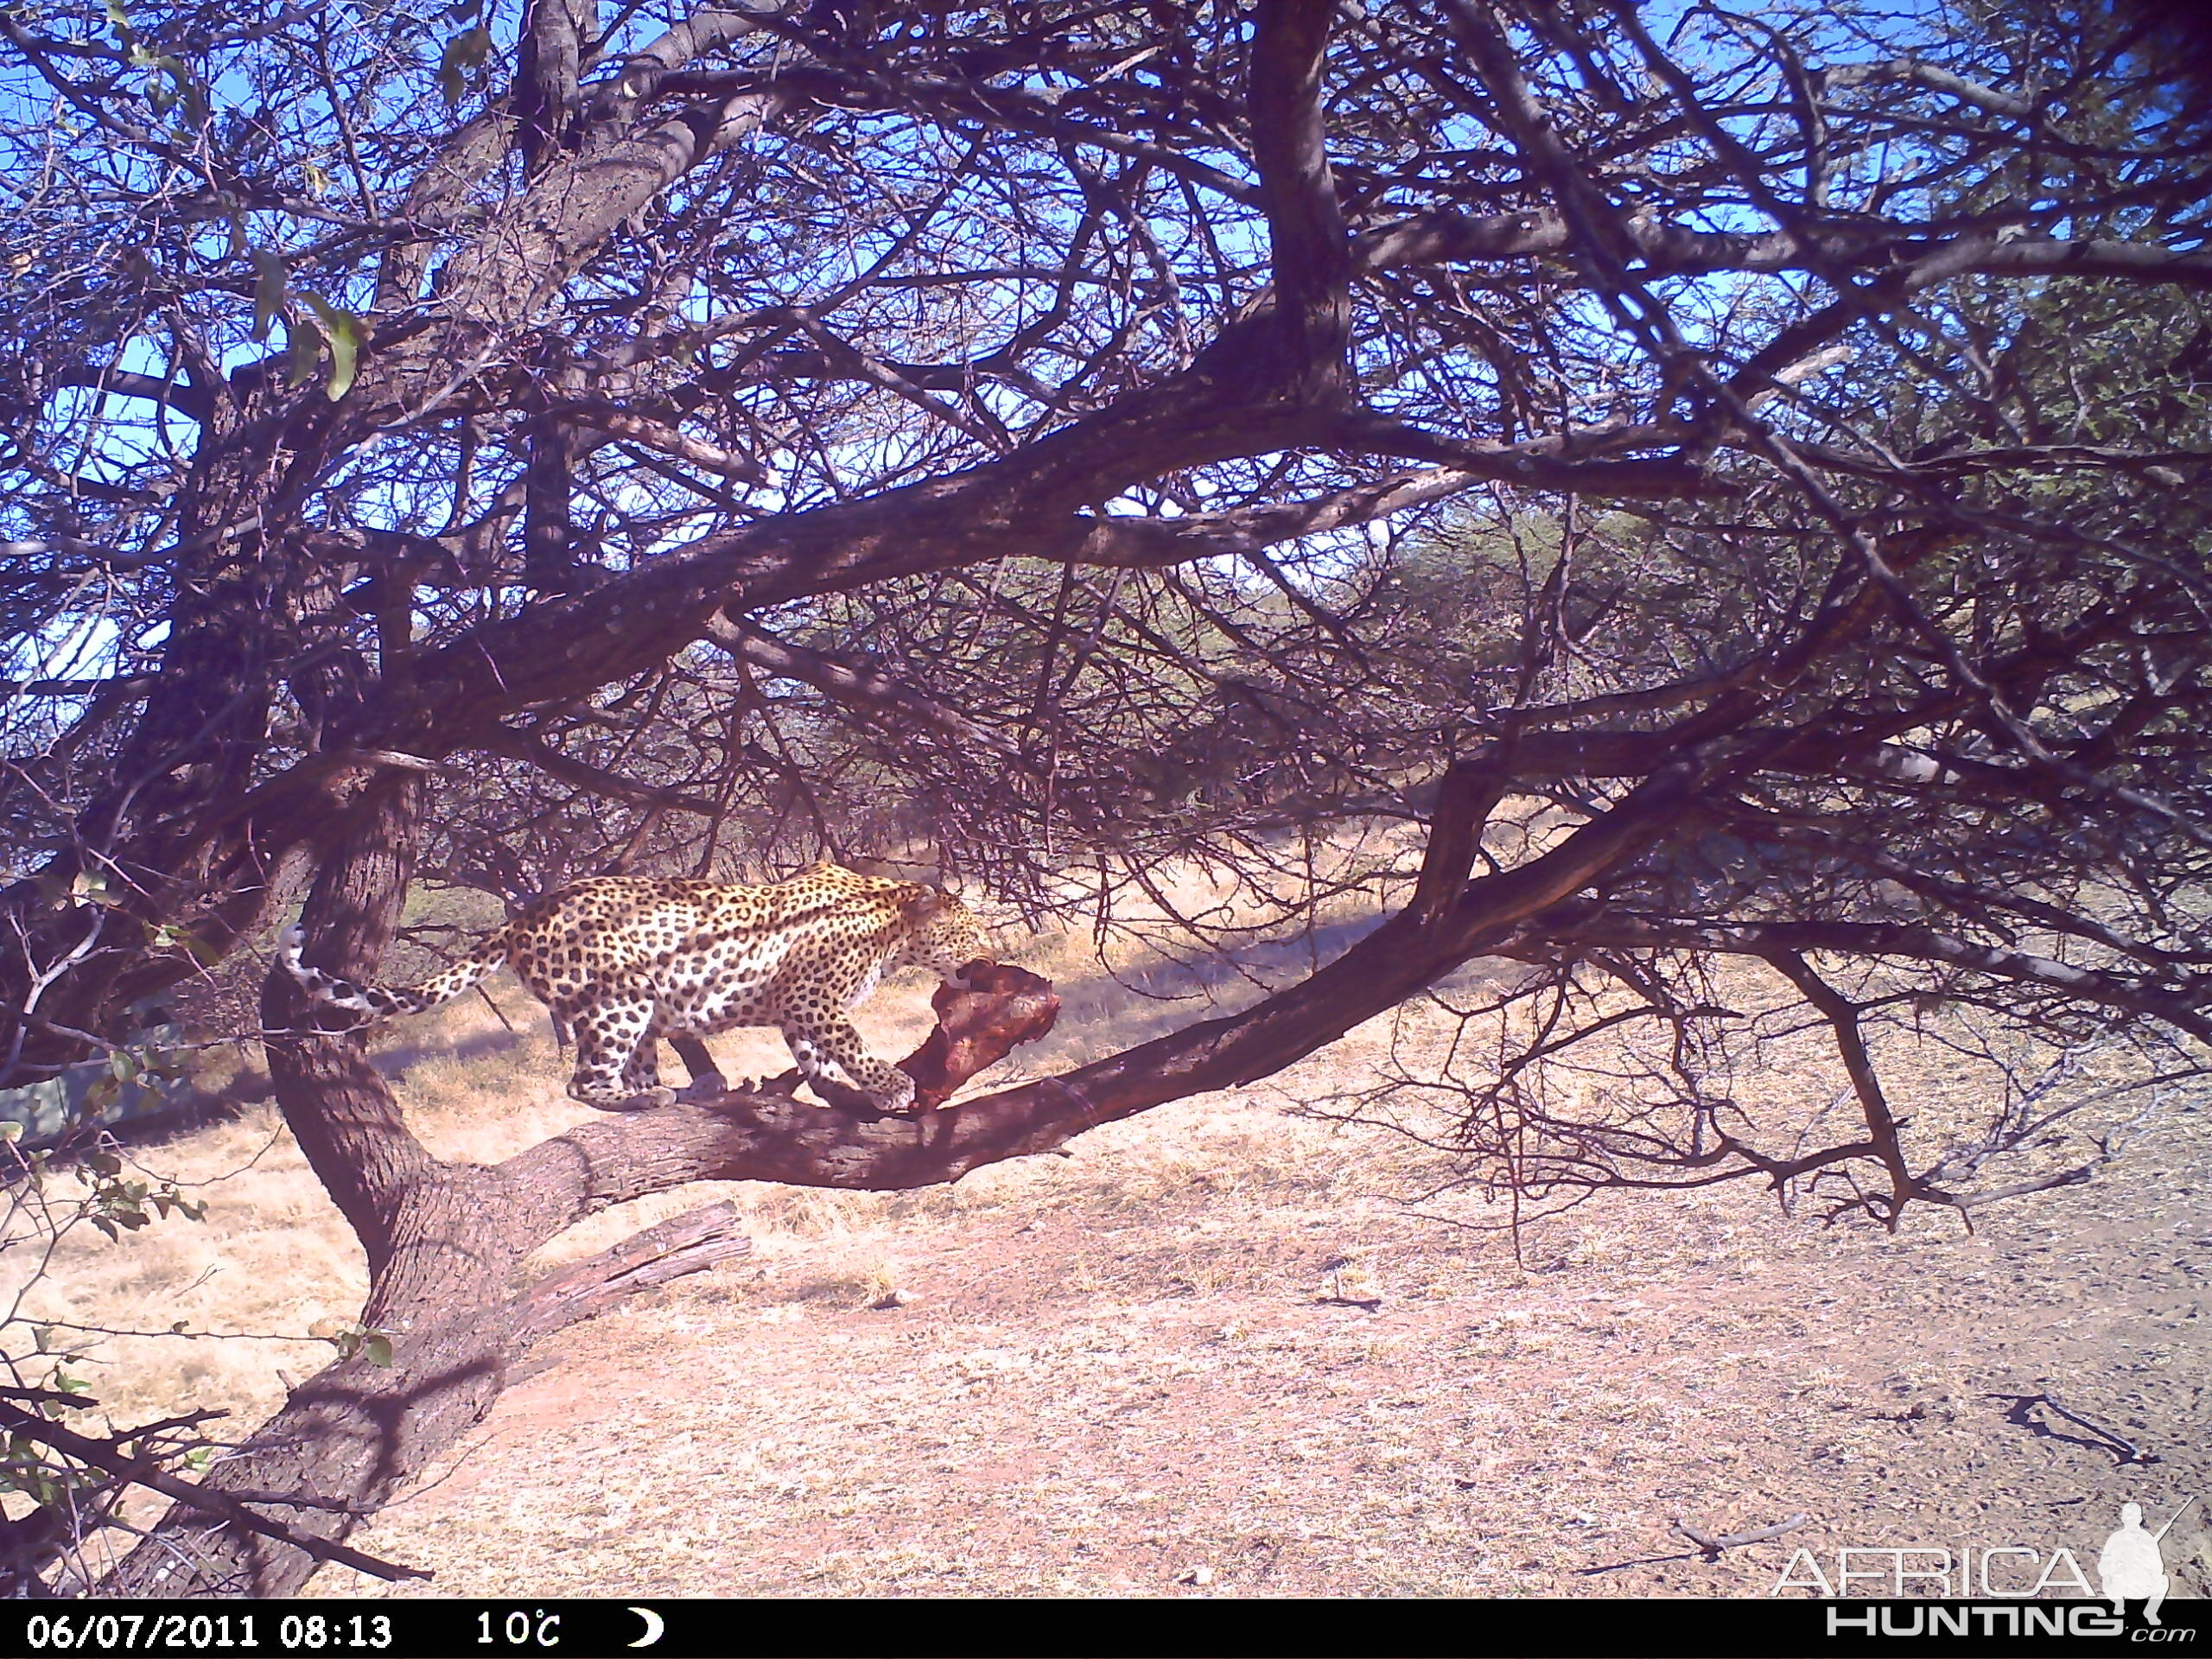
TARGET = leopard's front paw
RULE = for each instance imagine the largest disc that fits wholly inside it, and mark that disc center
(645, 1100)
(895, 1103)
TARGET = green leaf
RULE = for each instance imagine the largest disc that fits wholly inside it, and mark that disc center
(344, 331)
(10, 1131)
(268, 279)
(345, 351)
(377, 1348)
(178, 78)
(463, 53)
(168, 936)
(195, 99)
(305, 352)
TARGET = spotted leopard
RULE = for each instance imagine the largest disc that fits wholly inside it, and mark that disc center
(625, 961)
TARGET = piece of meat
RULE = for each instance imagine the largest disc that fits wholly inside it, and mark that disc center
(1003, 1006)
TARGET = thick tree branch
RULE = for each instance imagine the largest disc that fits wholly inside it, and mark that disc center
(1842, 1015)
(182, 396)
(1311, 260)
(1921, 73)
(455, 1235)
(580, 200)
(1441, 237)
(658, 434)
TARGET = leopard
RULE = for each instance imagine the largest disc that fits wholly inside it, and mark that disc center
(624, 961)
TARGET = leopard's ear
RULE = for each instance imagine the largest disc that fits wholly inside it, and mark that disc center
(920, 902)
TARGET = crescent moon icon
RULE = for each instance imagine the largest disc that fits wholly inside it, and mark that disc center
(656, 1627)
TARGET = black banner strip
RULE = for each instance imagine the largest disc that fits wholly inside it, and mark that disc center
(1193, 1629)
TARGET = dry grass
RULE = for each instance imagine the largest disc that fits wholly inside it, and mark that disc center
(273, 1258)
(1211, 1337)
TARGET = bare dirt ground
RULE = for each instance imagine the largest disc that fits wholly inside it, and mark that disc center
(1116, 1378)
(1117, 1372)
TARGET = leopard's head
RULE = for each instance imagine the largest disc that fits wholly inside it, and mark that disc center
(943, 935)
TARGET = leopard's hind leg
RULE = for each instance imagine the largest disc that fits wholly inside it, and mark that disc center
(611, 1037)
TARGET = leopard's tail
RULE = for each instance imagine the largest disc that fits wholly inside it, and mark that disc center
(373, 1002)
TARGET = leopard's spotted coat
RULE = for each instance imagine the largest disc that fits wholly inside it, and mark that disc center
(625, 961)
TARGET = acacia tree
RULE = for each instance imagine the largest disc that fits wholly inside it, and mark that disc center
(1731, 477)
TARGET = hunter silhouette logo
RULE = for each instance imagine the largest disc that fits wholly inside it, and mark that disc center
(2130, 1564)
